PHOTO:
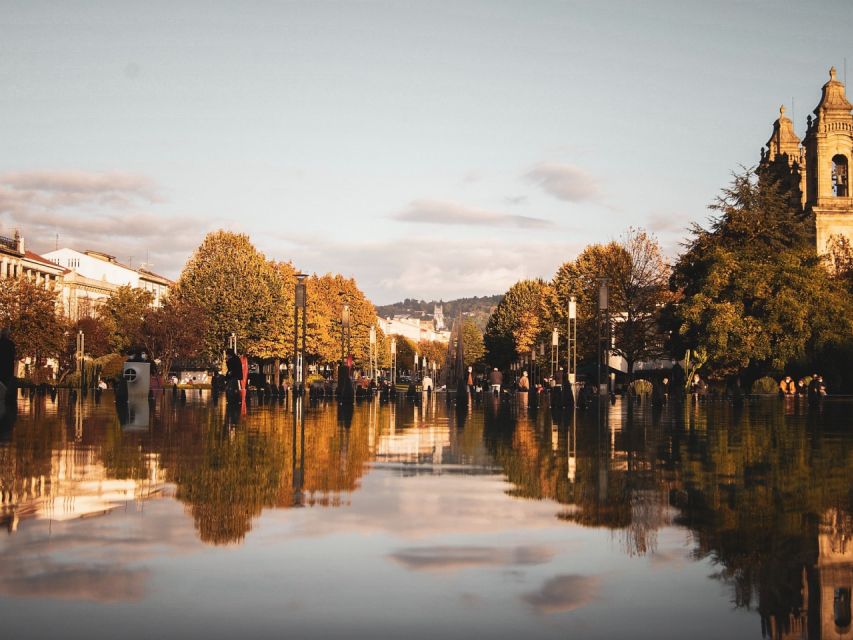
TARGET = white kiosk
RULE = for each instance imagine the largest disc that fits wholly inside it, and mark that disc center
(137, 376)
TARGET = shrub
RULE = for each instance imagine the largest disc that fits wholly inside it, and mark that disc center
(765, 386)
(640, 388)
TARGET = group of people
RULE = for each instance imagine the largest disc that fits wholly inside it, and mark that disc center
(814, 388)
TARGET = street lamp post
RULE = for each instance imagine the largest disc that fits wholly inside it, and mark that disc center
(555, 343)
(81, 349)
(372, 352)
(299, 304)
(81, 345)
(603, 329)
(345, 326)
(572, 362)
(393, 361)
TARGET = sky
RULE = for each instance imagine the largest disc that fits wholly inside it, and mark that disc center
(427, 149)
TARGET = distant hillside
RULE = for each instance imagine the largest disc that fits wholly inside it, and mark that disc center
(478, 308)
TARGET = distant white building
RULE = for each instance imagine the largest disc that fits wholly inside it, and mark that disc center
(91, 276)
(415, 329)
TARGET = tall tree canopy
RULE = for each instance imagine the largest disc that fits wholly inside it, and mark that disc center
(518, 323)
(31, 313)
(122, 314)
(237, 290)
(752, 292)
(174, 330)
(637, 277)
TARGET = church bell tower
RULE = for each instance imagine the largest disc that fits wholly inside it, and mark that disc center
(828, 150)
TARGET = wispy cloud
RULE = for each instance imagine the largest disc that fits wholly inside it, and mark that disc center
(565, 181)
(114, 212)
(451, 213)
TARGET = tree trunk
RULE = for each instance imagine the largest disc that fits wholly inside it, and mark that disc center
(276, 373)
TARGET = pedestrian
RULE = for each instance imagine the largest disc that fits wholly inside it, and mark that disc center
(496, 379)
(7, 365)
(815, 388)
(698, 387)
(523, 388)
(469, 380)
(567, 392)
(787, 386)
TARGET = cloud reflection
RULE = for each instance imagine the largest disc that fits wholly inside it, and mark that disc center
(445, 558)
(74, 581)
(564, 593)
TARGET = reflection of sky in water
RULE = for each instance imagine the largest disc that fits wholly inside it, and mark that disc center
(431, 538)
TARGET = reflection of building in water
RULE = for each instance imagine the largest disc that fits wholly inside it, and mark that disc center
(832, 577)
(825, 610)
(419, 444)
(76, 486)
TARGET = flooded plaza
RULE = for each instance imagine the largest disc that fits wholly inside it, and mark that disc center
(188, 519)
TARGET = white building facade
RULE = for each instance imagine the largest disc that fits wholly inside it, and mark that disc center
(91, 276)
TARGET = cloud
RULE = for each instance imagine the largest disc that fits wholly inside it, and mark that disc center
(564, 593)
(441, 212)
(455, 558)
(114, 212)
(564, 181)
(80, 182)
(426, 267)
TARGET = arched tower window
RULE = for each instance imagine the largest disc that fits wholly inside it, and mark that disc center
(840, 177)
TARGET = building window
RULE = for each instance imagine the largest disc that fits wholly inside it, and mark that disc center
(840, 176)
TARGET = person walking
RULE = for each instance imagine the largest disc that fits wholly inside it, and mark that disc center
(7, 365)
(496, 379)
(523, 389)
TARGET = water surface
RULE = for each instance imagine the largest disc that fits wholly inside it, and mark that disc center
(190, 520)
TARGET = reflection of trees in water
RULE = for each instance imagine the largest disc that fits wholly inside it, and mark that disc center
(623, 493)
(755, 492)
(753, 485)
(227, 476)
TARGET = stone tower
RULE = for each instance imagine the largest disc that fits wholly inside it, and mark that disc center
(819, 166)
(438, 317)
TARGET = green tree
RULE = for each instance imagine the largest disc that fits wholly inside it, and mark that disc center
(236, 289)
(581, 278)
(518, 323)
(752, 292)
(174, 330)
(472, 342)
(122, 314)
(433, 350)
(31, 313)
(406, 350)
